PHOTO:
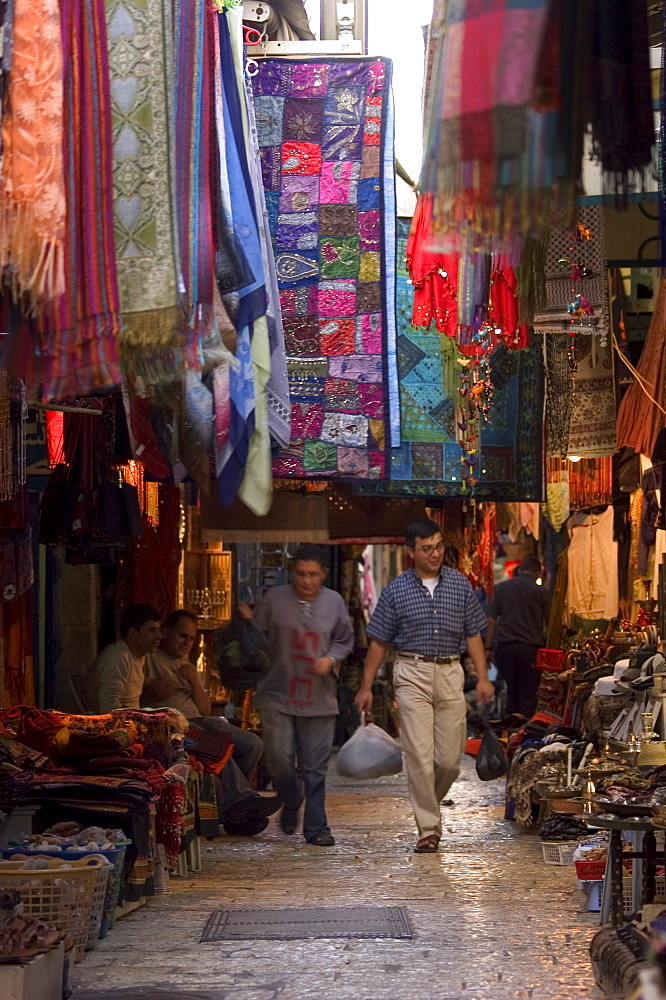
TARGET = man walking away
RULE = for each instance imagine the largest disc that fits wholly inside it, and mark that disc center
(309, 628)
(516, 621)
(428, 614)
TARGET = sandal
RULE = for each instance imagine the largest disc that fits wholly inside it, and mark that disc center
(427, 845)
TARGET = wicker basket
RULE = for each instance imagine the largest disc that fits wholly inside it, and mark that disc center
(64, 896)
(101, 917)
(558, 852)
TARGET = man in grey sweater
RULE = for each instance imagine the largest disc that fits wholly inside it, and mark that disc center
(310, 631)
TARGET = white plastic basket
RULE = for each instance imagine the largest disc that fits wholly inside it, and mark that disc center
(558, 852)
(627, 901)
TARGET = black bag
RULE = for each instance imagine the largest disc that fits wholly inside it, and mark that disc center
(491, 761)
(242, 652)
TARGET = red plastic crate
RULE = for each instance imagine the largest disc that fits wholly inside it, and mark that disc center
(590, 870)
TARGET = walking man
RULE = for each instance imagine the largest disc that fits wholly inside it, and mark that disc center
(310, 631)
(428, 614)
(516, 621)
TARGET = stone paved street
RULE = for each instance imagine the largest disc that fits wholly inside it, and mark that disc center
(490, 920)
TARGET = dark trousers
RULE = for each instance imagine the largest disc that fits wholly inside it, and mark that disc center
(515, 660)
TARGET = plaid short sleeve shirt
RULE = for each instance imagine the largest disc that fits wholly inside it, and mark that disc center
(411, 620)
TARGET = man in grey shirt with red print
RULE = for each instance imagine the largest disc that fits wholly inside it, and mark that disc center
(310, 631)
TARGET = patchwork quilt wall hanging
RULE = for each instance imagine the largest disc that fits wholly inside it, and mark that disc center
(427, 463)
(325, 133)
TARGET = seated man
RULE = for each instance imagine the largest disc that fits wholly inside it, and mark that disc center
(115, 679)
(171, 681)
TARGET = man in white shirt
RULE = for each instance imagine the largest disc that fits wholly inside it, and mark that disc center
(116, 677)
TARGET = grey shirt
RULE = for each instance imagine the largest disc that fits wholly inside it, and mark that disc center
(301, 632)
(520, 606)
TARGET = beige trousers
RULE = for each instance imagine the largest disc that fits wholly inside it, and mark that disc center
(433, 726)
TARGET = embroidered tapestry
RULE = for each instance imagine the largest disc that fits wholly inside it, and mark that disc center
(324, 130)
(428, 461)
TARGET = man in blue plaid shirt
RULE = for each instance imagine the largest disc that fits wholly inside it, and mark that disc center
(428, 614)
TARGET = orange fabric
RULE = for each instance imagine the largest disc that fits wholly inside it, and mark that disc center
(639, 420)
(32, 186)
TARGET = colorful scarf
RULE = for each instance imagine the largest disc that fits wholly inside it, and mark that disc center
(76, 350)
(477, 128)
(140, 66)
(32, 185)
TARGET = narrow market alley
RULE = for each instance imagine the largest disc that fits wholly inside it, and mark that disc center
(490, 919)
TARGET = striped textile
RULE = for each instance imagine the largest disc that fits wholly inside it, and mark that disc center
(72, 347)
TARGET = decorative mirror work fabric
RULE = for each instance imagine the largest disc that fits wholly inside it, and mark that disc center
(325, 133)
(428, 461)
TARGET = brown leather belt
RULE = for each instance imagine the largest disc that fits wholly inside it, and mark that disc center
(439, 660)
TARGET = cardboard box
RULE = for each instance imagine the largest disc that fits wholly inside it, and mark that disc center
(38, 979)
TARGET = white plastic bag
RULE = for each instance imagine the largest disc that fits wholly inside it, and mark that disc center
(369, 753)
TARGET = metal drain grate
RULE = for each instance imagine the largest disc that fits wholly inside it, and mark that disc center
(295, 923)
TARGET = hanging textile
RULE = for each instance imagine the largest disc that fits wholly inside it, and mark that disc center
(71, 348)
(148, 571)
(640, 415)
(32, 186)
(195, 39)
(477, 128)
(323, 130)
(589, 482)
(276, 390)
(592, 584)
(575, 265)
(509, 465)
(518, 84)
(593, 414)
(231, 459)
(140, 36)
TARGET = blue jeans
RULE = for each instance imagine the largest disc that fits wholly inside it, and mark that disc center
(308, 739)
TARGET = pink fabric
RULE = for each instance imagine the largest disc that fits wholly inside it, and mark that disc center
(371, 332)
(337, 298)
(222, 404)
(335, 183)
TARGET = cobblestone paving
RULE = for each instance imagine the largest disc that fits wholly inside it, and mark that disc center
(490, 920)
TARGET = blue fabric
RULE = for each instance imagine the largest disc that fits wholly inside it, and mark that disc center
(306, 740)
(230, 461)
(412, 621)
(389, 221)
(252, 303)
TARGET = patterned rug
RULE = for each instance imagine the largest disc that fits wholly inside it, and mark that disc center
(324, 129)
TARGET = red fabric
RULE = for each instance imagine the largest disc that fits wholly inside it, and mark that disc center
(503, 311)
(433, 274)
(148, 572)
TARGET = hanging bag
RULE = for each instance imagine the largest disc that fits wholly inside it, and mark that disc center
(491, 760)
(369, 753)
(242, 652)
